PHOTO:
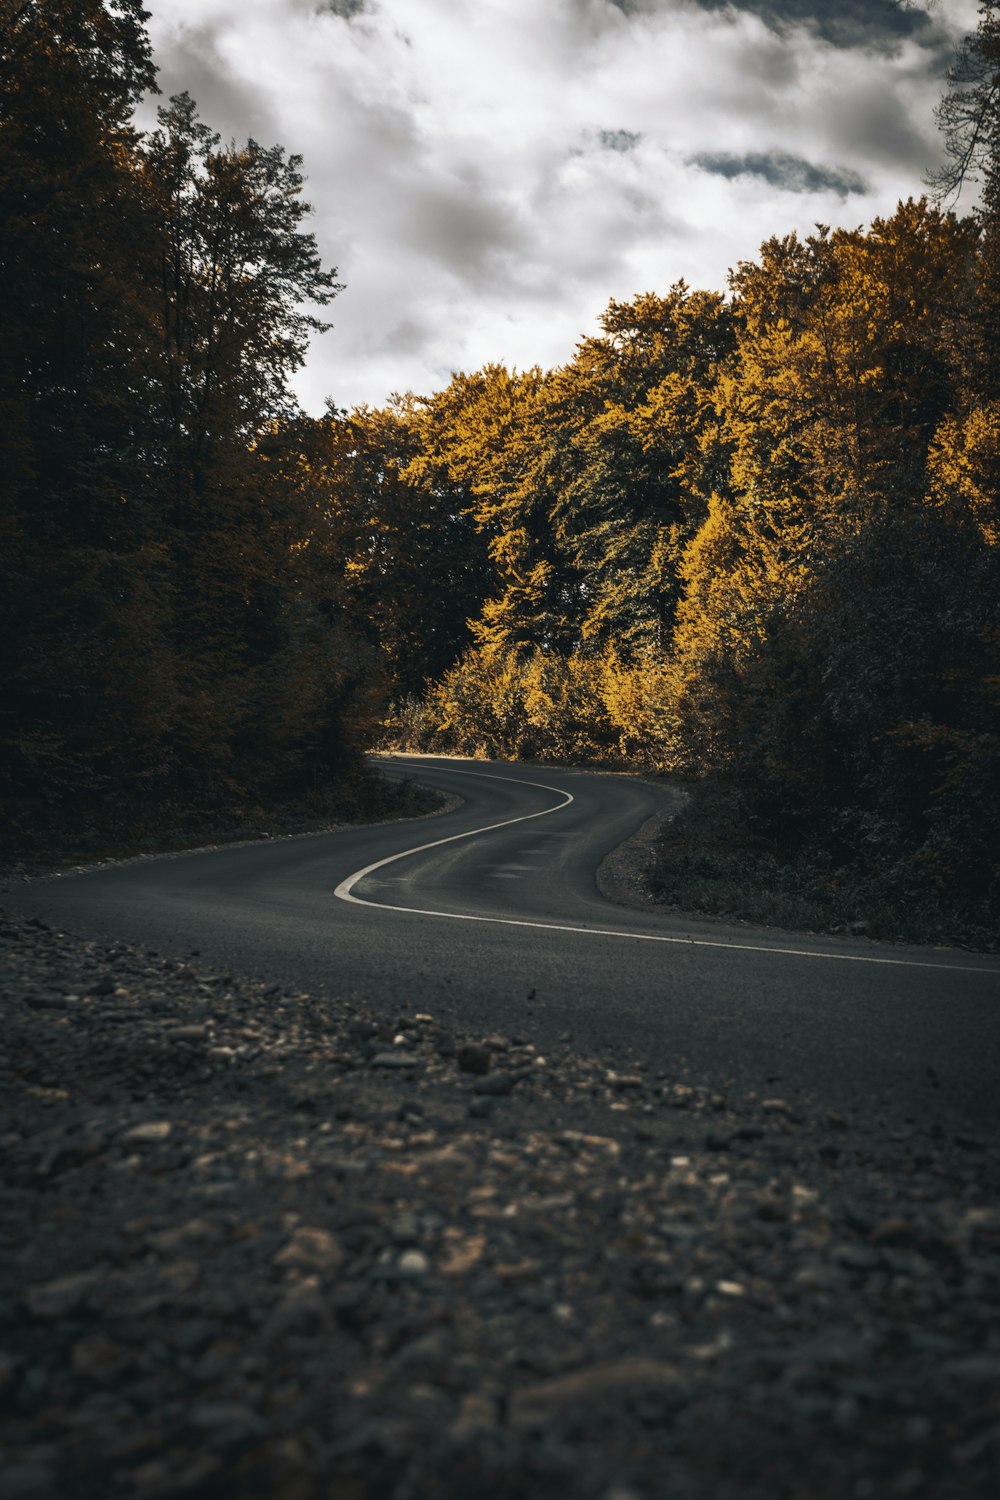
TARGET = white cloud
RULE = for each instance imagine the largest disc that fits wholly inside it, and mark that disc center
(485, 177)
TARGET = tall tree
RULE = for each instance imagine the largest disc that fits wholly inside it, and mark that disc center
(844, 376)
(80, 600)
(164, 628)
(969, 113)
(639, 452)
(487, 436)
(230, 267)
(969, 116)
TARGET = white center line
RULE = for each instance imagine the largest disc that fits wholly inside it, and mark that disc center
(344, 892)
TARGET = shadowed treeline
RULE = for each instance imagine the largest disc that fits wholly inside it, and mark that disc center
(175, 629)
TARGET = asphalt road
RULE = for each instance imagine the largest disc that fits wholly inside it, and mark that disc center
(489, 916)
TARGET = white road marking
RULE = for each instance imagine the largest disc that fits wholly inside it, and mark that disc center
(344, 892)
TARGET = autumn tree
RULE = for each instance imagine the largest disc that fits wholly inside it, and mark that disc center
(829, 659)
(485, 439)
(229, 268)
(638, 450)
(410, 563)
(165, 637)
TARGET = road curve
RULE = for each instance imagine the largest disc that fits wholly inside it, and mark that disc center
(490, 915)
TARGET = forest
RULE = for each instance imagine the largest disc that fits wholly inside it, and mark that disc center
(747, 537)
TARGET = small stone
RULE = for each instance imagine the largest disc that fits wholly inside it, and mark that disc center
(479, 1109)
(54, 1299)
(230, 1420)
(472, 1058)
(405, 1228)
(302, 1310)
(98, 1356)
(414, 1263)
(310, 1250)
(152, 1133)
(193, 1032)
(192, 1335)
(982, 1225)
(620, 1082)
(496, 1085)
(537, 1405)
(893, 1230)
(192, 1232)
(856, 1257)
(398, 1059)
(477, 1413)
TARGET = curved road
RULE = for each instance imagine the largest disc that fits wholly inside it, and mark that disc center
(489, 916)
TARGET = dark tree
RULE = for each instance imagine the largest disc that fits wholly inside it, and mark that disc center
(969, 113)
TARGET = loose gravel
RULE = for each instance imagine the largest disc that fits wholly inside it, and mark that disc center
(259, 1243)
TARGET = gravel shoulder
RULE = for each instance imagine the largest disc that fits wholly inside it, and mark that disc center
(624, 875)
(259, 1243)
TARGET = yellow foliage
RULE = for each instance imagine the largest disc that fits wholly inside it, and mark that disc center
(964, 465)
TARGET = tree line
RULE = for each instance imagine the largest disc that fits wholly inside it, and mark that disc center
(749, 535)
(755, 537)
(173, 612)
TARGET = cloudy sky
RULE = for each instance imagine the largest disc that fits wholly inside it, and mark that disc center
(486, 174)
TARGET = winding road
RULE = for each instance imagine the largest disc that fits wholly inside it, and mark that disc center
(490, 917)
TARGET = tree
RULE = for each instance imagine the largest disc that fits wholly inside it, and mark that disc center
(487, 436)
(165, 630)
(969, 114)
(638, 451)
(843, 381)
(234, 268)
(412, 565)
(84, 689)
(227, 272)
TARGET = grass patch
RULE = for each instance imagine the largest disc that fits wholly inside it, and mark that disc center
(44, 842)
(709, 860)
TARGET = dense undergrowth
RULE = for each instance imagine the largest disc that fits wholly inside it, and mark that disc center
(709, 859)
(134, 828)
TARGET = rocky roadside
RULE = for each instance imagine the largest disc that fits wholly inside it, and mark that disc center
(257, 1243)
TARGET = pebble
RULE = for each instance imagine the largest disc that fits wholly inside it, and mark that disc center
(310, 1249)
(495, 1085)
(474, 1059)
(325, 1259)
(414, 1263)
(152, 1133)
